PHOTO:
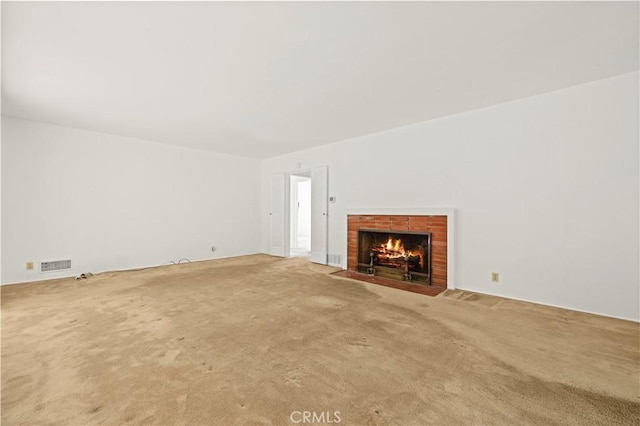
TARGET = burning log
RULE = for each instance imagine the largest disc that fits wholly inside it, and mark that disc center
(413, 262)
(382, 254)
(393, 254)
(385, 252)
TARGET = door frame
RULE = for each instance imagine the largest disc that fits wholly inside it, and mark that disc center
(287, 210)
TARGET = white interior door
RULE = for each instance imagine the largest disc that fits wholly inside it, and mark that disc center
(319, 214)
(277, 215)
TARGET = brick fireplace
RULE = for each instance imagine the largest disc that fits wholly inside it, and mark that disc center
(433, 226)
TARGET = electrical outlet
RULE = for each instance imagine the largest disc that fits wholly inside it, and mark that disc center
(29, 266)
(495, 277)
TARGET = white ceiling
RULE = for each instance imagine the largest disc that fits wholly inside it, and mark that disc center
(261, 79)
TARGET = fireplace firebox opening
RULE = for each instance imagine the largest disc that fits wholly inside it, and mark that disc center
(402, 255)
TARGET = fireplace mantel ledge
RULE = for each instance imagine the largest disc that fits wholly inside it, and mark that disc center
(417, 211)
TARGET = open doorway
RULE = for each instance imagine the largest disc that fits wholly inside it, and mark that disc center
(300, 214)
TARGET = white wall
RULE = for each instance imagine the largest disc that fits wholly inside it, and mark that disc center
(545, 189)
(110, 202)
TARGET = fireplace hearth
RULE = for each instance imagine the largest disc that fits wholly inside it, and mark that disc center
(402, 255)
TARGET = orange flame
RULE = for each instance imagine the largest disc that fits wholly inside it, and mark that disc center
(394, 249)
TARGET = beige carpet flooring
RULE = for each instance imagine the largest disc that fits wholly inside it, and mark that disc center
(252, 340)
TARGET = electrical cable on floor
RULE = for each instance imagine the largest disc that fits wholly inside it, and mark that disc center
(86, 275)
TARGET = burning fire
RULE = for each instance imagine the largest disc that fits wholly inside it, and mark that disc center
(394, 250)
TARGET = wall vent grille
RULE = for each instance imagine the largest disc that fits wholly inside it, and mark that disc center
(335, 259)
(55, 265)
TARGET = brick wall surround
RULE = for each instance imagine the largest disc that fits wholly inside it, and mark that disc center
(437, 225)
